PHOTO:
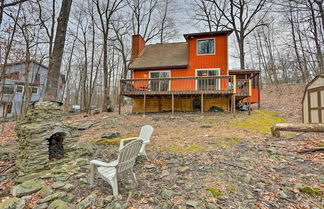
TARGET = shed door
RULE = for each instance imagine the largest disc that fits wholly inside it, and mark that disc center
(316, 105)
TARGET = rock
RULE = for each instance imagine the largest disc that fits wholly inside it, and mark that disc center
(100, 203)
(115, 205)
(86, 202)
(83, 180)
(40, 206)
(45, 191)
(193, 204)
(68, 187)
(61, 177)
(54, 196)
(109, 198)
(150, 166)
(12, 203)
(165, 205)
(320, 178)
(206, 125)
(110, 135)
(181, 181)
(58, 204)
(210, 205)
(27, 198)
(86, 149)
(69, 198)
(184, 169)
(282, 195)
(165, 173)
(58, 184)
(84, 126)
(245, 158)
(168, 194)
(27, 188)
(22, 179)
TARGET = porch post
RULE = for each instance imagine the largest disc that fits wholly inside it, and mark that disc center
(172, 104)
(259, 92)
(202, 104)
(144, 105)
(249, 101)
(233, 104)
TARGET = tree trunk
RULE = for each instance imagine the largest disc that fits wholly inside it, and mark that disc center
(296, 127)
(58, 49)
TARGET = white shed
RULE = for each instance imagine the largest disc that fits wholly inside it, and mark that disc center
(313, 101)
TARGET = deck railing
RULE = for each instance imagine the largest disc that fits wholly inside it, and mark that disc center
(184, 85)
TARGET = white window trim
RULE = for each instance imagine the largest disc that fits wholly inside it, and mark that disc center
(23, 88)
(161, 71)
(216, 69)
(197, 45)
(36, 92)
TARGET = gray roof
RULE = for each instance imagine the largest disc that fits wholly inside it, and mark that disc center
(157, 56)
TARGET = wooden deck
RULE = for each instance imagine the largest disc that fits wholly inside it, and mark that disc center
(186, 86)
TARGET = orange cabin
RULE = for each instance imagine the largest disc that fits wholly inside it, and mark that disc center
(197, 66)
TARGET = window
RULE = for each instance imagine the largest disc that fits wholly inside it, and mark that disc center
(159, 85)
(208, 84)
(206, 46)
(7, 90)
(34, 90)
(19, 89)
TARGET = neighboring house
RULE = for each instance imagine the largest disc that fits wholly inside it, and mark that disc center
(186, 76)
(12, 92)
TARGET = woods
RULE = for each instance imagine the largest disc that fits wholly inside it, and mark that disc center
(284, 39)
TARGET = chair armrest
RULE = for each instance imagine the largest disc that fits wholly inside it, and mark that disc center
(103, 164)
(122, 141)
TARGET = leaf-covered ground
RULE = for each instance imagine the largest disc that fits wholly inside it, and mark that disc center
(214, 161)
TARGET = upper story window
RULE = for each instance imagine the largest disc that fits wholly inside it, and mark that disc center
(206, 46)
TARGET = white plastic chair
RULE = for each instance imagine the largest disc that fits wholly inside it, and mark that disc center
(110, 171)
(145, 135)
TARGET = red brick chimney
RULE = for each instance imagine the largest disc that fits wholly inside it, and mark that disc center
(138, 45)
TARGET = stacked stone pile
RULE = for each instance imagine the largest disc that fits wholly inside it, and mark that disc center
(41, 122)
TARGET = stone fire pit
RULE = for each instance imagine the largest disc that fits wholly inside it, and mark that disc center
(42, 137)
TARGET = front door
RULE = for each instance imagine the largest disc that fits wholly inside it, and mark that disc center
(316, 105)
(160, 85)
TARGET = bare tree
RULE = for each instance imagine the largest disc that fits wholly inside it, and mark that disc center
(105, 12)
(243, 17)
(58, 48)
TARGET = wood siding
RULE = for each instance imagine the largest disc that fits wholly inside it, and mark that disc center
(215, 61)
(313, 101)
(180, 104)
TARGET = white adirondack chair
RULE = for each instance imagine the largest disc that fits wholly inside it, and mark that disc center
(110, 171)
(145, 135)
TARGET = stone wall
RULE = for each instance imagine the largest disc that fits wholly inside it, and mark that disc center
(41, 122)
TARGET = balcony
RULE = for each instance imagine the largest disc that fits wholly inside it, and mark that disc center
(206, 85)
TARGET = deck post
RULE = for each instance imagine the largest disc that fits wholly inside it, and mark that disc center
(144, 105)
(172, 104)
(233, 104)
(202, 104)
(249, 101)
(259, 93)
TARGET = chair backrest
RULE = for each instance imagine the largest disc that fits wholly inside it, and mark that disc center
(127, 155)
(146, 132)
